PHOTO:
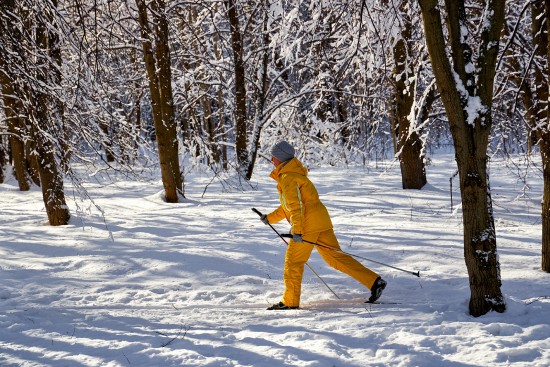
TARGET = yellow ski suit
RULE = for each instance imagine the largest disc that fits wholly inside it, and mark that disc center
(301, 207)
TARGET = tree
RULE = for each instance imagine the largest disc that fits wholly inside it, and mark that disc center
(47, 115)
(526, 65)
(465, 81)
(158, 63)
(409, 147)
(240, 86)
(13, 108)
(30, 72)
(2, 158)
(199, 66)
(544, 142)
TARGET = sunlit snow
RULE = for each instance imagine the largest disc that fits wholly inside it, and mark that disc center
(187, 284)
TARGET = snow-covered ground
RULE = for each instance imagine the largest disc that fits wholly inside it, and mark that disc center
(156, 284)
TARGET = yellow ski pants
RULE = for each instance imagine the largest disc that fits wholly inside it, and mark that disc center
(298, 253)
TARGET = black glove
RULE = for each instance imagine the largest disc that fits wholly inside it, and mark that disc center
(297, 238)
(264, 219)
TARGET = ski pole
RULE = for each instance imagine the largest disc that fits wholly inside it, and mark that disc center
(357, 256)
(310, 268)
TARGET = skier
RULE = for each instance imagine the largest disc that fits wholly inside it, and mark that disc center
(310, 221)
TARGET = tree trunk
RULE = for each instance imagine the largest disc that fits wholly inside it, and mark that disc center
(59, 107)
(480, 248)
(261, 98)
(135, 111)
(470, 133)
(47, 116)
(410, 148)
(12, 104)
(210, 126)
(107, 141)
(166, 96)
(160, 86)
(240, 86)
(16, 129)
(2, 158)
(26, 94)
(33, 165)
(51, 179)
(545, 152)
(206, 100)
(535, 103)
(221, 115)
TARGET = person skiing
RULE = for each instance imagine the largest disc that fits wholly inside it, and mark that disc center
(310, 223)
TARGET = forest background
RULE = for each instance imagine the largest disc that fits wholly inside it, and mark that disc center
(210, 85)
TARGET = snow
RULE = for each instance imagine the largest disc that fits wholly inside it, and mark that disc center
(474, 109)
(187, 284)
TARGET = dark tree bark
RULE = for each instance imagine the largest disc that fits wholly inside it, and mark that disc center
(544, 142)
(221, 113)
(207, 101)
(16, 130)
(260, 97)
(240, 87)
(534, 96)
(107, 141)
(2, 158)
(409, 147)
(157, 63)
(135, 112)
(47, 116)
(25, 92)
(468, 102)
(11, 96)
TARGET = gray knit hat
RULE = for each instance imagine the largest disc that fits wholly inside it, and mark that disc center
(282, 151)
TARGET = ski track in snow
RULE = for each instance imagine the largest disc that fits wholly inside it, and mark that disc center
(187, 284)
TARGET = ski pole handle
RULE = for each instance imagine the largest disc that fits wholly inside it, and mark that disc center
(263, 217)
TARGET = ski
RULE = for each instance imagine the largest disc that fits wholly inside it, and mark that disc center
(350, 303)
(383, 303)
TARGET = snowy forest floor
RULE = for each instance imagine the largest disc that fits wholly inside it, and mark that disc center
(148, 283)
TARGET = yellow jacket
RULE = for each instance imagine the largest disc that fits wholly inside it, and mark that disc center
(300, 203)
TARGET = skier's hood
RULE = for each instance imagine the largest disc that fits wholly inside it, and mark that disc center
(291, 166)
